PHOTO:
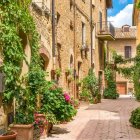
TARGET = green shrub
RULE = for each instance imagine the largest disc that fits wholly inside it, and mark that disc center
(85, 95)
(136, 76)
(110, 94)
(90, 87)
(135, 118)
(110, 91)
(53, 102)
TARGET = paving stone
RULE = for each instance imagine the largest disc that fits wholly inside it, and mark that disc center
(108, 120)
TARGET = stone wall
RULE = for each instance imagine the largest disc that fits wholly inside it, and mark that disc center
(70, 39)
(44, 28)
(118, 45)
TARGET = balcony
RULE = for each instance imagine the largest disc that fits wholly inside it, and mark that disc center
(105, 31)
(42, 7)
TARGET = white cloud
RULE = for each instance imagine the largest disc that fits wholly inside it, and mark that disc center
(122, 1)
(123, 17)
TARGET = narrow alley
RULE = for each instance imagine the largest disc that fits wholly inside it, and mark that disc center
(108, 120)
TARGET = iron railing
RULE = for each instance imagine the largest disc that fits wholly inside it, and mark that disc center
(105, 28)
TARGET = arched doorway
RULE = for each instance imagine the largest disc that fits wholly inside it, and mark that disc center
(44, 56)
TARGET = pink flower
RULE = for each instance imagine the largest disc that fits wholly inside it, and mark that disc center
(67, 97)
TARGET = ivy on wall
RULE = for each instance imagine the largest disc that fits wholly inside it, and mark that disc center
(136, 77)
(131, 72)
(110, 91)
(15, 18)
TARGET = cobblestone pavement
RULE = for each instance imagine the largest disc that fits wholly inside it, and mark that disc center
(108, 120)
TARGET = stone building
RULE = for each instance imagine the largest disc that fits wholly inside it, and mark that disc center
(41, 12)
(81, 33)
(124, 45)
(80, 40)
(136, 21)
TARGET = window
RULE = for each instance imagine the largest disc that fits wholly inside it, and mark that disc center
(100, 19)
(93, 37)
(58, 16)
(71, 5)
(126, 29)
(127, 52)
(71, 25)
(83, 34)
(83, 1)
(93, 3)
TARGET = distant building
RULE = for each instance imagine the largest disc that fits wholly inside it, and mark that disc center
(136, 21)
(125, 45)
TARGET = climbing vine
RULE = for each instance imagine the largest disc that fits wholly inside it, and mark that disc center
(136, 77)
(15, 18)
(110, 91)
(131, 72)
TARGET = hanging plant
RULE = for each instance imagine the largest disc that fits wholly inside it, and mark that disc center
(58, 72)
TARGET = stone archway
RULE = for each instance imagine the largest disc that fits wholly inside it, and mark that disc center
(45, 57)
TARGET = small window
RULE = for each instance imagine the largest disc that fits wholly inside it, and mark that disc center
(126, 29)
(93, 37)
(71, 25)
(127, 52)
(84, 1)
(71, 5)
(93, 3)
(58, 16)
(83, 34)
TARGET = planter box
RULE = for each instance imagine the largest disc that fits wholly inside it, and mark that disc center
(25, 132)
(9, 137)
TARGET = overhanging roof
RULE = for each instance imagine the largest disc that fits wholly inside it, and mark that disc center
(109, 4)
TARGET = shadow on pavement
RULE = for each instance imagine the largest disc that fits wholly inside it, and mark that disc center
(57, 131)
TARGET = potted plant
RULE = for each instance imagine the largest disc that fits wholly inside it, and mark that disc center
(70, 78)
(75, 102)
(41, 122)
(78, 82)
(8, 135)
(91, 86)
(69, 71)
(58, 72)
(25, 104)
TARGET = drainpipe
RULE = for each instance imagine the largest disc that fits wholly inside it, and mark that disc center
(53, 32)
(91, 35)
(74, 47)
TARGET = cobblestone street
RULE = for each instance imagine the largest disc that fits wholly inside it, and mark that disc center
(108, 120)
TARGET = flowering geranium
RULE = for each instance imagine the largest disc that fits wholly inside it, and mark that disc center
(67, 97)
(39, 119)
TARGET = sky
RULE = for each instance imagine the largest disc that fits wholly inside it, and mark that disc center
(121, 13)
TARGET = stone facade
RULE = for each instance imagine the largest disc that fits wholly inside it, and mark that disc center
(70, 52)
(123, 39)
(42, 18)
(136, 21)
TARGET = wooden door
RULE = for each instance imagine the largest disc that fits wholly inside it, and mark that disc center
(121, 88)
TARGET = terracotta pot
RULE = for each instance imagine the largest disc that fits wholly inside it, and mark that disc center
(50, 127)
(76, 106)
(24, 132)
(42, 127)
(9, 137)
(95, 100)
(40, 116)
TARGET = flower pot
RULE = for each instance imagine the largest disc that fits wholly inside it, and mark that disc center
(76, 106)
(10, 136)
(50, 126)
(24, 132)
(95, 100)
(43, 125)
